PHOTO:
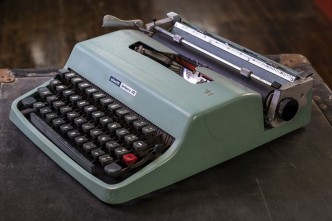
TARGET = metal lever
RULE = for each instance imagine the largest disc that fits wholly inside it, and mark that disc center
(112, 21)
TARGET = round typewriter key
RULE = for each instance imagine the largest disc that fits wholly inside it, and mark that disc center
(65, 128)
(129, 139)
(113, 169)
(70, 75)
(67, 93)
(120, 133)
(112, 145)
(95, 133)
(119, 152)
(89, 109)
(44, 92)
(38, 105)
(130, 118)
(72, 134)
(129, 159)
(61, 88)
(51, 99)
(79, 121)
(75, 98)
(102, 139)
(58, 104)
(122, 112)
(105, 159)
(97, 96)
(149, 131)
(58, 122)
(45, 110)
(65, 109)
(113, 126)
(96, 153)
(87, 127)
(82, 86)
(89, 146)
(105, 101)
(104, 121)
(81, 140)
(139, 124)
(76, 80)
(28, 102)
(97, 114)
(113, 107)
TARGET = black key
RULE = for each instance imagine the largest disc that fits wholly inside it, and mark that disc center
(61, 88)
(65, 109)
(28, 102)
(106, 101)
(96, 153)
(82, 86)
(50, 116)
(58, 122)
(81, 140)
(89, 109)
(63, 71)
(104, 121)
(159, 148)
(54, 83)
(58, 104)
(102, 139)
(97, 96)
(50, 99)
(105, 159)
(113, 169)
(120, 133)
(72, 134)
(45, 110)
(139, 124)
(87, 147)
(87, 127)
(97, 114)
(119, 152)
(70, 75)
(149, 131)
(139, 147)
(76, 80)
(38, 105)
(79, 121)
(130, 138)
(89, 91)
(95, 133)
(130, 118)
(122, 112)
(62, 144)
(65, 128)
(72, 115)
(44, 92)
(113, 107)
(81, 104)
(113, 126)
(75, 98)
(112, 145)
(68, 93)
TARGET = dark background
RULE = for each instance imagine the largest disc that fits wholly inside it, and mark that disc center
(40, 33)
(286, 179)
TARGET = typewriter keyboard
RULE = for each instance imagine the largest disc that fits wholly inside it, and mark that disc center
(98, 132)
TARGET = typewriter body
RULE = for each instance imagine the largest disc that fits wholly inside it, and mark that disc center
(133, 111)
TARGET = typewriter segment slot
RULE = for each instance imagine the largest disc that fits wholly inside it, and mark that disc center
(182, 66)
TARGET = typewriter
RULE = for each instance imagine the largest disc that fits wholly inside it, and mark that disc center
(143, 107)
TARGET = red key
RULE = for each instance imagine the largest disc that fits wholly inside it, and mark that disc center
(129, 159)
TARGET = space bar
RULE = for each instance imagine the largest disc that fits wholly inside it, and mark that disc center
(62, 143)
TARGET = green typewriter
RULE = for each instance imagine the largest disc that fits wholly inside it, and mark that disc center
(141, 108)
